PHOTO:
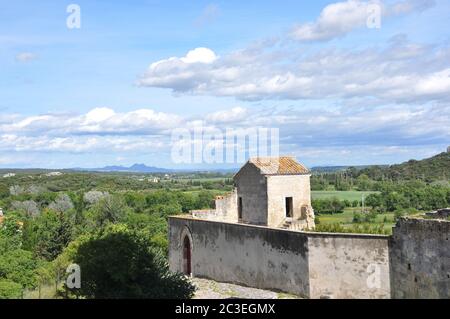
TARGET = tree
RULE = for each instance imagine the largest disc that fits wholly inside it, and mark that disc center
(205, 200)
(4, 191)
(48, 234)
(374, 200)
(92, 197)
(336, 205)
(109, 209)
(62, 204)
(18, 265)
(10, 233)
(117, 262)
(364, 183)
(29, 207)
(154, 227)
(10, 289)
(15, 190)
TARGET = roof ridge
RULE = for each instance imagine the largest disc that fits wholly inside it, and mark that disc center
(278, 165)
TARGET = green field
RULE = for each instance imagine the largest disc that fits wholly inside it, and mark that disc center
(342, 195)
(346, 218)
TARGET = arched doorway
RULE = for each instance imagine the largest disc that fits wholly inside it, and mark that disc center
(187, 269)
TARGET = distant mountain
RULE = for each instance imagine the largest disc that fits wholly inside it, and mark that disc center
(135, 168)
(142, 168)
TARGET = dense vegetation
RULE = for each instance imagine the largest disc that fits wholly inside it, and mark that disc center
(134, 268)
(434, 170)
(49, 224)
(409, 188)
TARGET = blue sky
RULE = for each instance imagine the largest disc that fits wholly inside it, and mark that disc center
(113, 91)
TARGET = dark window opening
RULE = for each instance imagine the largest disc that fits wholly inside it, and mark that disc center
(240, 208)
(289, 207)
(187, 256)
(409, 266)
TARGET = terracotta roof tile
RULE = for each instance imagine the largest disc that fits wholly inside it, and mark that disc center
(283, 165)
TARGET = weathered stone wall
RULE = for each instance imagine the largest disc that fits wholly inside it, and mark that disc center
(225, 210)
(308, 264)
(348, 266)
(254, 256)
(226, 207)
(281, 186)
(252, 187)
(420, 259)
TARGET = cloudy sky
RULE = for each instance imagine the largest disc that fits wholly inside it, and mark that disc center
(342, 85)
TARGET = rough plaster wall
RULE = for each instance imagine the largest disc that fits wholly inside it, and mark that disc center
(308, 264)
(251, 186)
(280, 187)
(226, 207)
(253, 256)
(420, 259)
(340, 266)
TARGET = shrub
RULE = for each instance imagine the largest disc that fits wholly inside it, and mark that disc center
(119, 263)
(10, 289)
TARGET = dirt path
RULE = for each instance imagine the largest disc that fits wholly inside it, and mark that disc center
(209, 289)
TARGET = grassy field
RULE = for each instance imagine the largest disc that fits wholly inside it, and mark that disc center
(346, 218)
(342, 195)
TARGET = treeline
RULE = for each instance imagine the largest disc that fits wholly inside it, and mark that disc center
(332, 205)
(350, 179)
(74, 181)
(434, 170)
(428, 170)
(415, 194)
(393, 197)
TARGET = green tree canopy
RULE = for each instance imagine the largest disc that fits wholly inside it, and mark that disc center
(19, 266)
(48, 234)
(117, 262)
(10, 289)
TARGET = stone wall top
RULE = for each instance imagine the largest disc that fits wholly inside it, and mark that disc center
(306, 233)
(422, 224)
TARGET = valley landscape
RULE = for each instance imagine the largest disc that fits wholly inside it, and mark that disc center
(48, 214)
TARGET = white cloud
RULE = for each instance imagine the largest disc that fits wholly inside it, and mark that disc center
(97, 121)
(306, 131)
(435, 83)
(400, 72)
(233, 115)
(79, 144)
(25, 57)
(99, 115)
(338, 19)
(335, 20)
(199, 55)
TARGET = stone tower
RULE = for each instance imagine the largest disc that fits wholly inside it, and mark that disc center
(274, 192)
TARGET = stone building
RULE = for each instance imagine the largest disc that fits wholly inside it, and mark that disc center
(258, 236)
(269, 191)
